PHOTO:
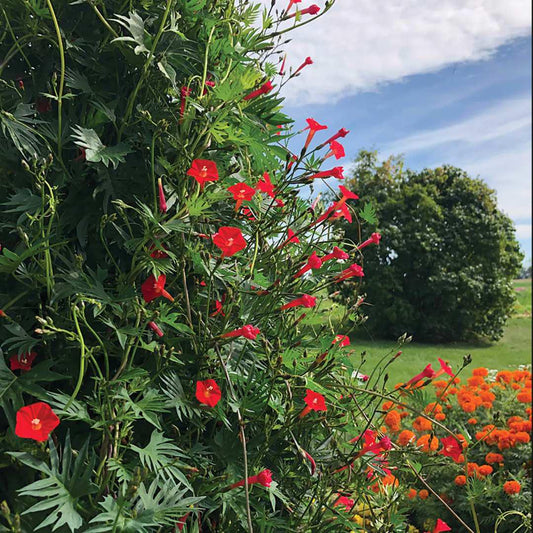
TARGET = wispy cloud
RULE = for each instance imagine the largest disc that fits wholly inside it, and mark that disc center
(359, 45)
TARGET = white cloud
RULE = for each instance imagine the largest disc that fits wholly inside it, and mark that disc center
(359, 45)
(523, 231)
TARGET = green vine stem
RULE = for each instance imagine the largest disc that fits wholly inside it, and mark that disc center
(61, 76)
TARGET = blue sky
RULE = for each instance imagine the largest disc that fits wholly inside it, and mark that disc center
(452, 89)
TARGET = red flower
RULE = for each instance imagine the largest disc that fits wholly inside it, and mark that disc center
(208, 392)
(337, 253)
(335, 149)
(362, 377)
(342, 340)
(308, 61)
(314, 402)
(265, 185)
(336, 210)
(162, 201)
(341, 133)
(451, 448)
(203, 170)
(185, 92)
(309, 457)
(248, 332)
(311, 10)
(22, 362)
(350, 272)
(241, 192)
(428, 372)
(282, 69)
(291, 3)
(313, 262)
(265, 88)
(313, 126)
(218, 309)
(180, 524)
(303, 301)
(347, 502)
(229, 240)
(374, 239)
(292, 237)
(263, 478)
(157, 253)
(155, 328)
(153, 288)
(445, 368)
(36, 421)
(441, 526)
(2, 312)
(336, 172)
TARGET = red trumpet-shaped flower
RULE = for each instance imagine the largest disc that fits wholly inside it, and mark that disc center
(36, 421)
(282, 69)
(335, 149)
(311, 10)
(218, 309)
(185, 92)
(334, 211)
(263, 478)
(441, 526)
(248, 332)
(229, 240)
(348, 503)
(156, 253)
(374, 239)
(208, 392)
(354, 270)
(162, 201)
(2, 312)
(377, 447)
(445, 368)
(292, 237)
(309, 457)
(152, 288)
(336, 172)
(428, 372)
(341, 133)
(265, 185)
(291, 3)
(314, 402)
(303, 301)
(291, 162)
(337, 253)
(155, 328)
(241, 192)
(22, 361)
(341, 340)
(308, 61)
(313, 262)
(451, 448)
(264, 89)
(203, 170)
(359, 375)
(180, 524)
(313, 126)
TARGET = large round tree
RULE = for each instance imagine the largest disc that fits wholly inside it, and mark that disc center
(447, 256)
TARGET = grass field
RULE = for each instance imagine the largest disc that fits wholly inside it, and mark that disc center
(512, 350)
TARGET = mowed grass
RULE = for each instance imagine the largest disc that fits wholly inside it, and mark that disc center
(512, 350)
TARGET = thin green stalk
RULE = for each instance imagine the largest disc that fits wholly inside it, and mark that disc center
(133, 96)
(103, 20)
(61, 76)
(83, 358)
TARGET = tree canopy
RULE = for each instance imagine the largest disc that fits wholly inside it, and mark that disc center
(447, 256)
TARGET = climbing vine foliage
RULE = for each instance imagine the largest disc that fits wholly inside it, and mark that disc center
(166, 362)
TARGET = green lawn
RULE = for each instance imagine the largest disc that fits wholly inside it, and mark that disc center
(512, 350)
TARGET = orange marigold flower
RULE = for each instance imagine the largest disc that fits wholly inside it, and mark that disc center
(428, 443)
(485, 470)
(460, 481)
(433, 407)
(504, 376)
(412, 494)
(405, 437)
(422, 424)
(423, 494)
(389, 479)
(472, 468)
(440, 417)
(474, 381)
(440, 384)
(462, 440)
(511, 487)
(472, 421)
(524, 396)
(480, 372)
(492, 458)
(387, 405)
(392, 420)
(468, 407)
(522, 437)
